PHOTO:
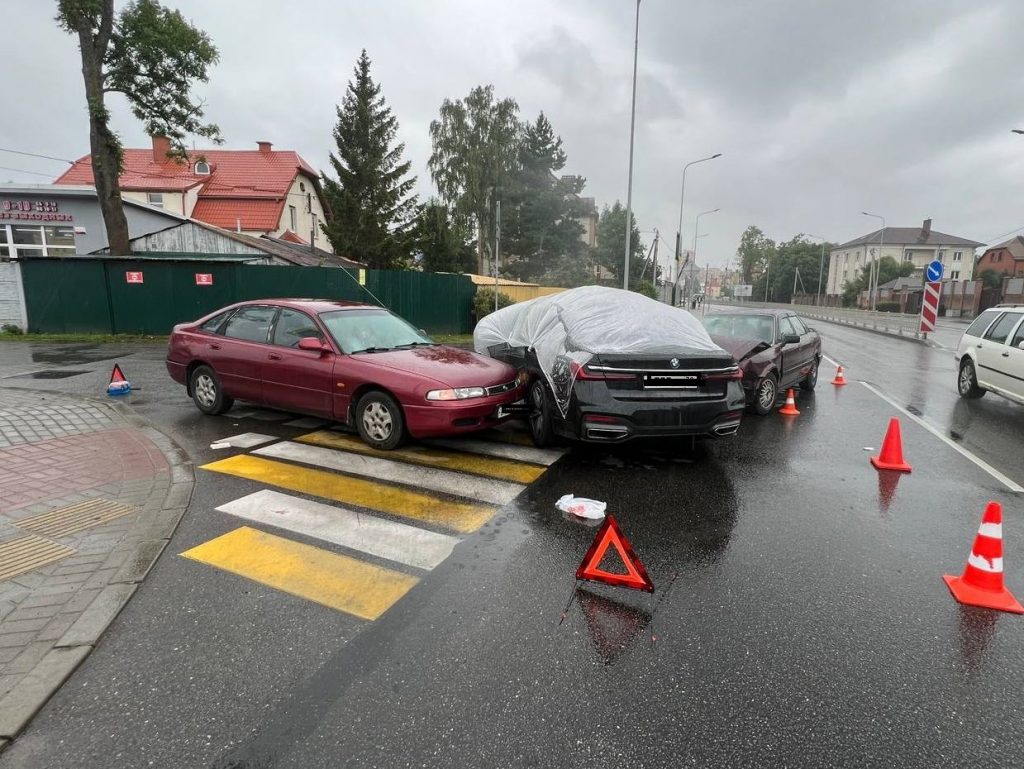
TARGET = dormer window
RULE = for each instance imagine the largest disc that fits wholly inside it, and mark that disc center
(202, 168)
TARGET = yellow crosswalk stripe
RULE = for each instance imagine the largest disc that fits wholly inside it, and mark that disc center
(463, 517)
(490, 467)
(334, 580)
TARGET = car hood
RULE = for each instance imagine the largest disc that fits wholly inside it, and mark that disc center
(740, 348)
(446, 365)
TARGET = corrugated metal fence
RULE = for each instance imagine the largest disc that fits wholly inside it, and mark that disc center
(148, 296)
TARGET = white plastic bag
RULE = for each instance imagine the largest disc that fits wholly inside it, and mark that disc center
(581, 506)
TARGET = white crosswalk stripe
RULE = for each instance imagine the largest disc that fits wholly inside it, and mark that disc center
(503, 450)
(394, 541)
(444, 481)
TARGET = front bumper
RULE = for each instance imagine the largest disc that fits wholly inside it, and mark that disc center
(455, 417)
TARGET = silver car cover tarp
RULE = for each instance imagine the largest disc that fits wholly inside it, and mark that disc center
(578, 324)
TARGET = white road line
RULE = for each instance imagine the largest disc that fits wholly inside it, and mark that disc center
(445, 481)
(357, 531)
(830, 359)
(1008, 482)
(246, 440)
(503, 450)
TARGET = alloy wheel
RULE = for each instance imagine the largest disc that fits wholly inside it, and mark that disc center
(377, 421)
(206, 390)
(766, 394)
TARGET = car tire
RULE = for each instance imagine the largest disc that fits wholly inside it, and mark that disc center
(380, 421)
(539, 419)
(765, 395)
(811, 380)
(967, 381)
(207, 391)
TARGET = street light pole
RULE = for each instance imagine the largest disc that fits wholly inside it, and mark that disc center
(682, 197)
(872, 288)
(629, 184)
(821, 265)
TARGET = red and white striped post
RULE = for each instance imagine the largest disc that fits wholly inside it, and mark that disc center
(930, 306)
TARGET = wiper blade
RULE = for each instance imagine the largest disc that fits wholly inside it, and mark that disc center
(415, 344)
(372, 349)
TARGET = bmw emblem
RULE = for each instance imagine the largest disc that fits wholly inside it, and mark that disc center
(674, 363)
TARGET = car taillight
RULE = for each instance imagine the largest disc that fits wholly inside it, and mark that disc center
(583, 372)
(733, 373)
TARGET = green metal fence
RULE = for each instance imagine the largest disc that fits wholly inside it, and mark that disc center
(148, 296)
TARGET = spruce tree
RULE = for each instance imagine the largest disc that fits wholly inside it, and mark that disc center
(371, 206)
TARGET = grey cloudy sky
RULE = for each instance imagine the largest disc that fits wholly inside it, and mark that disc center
(821, 108)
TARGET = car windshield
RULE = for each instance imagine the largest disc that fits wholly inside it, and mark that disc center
(371, 331)
(759, 327)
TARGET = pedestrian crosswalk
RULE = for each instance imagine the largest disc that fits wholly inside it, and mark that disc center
(381, 519)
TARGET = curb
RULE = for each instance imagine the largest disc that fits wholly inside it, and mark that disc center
(20, 705)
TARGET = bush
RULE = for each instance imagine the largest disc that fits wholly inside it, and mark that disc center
(647, 289)
(10, 328)
(887, 306)
(483, 303)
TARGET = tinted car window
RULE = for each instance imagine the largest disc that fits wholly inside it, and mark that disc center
(292, 326)
(212, 326)
(786, 327)
(977, 328)
(1019, 336)
(1002, 327)
(251, 324)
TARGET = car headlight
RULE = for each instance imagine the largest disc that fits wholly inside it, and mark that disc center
(456, 394)
(522, 378)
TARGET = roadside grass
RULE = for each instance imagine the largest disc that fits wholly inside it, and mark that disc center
(455, 340)
(82, 338)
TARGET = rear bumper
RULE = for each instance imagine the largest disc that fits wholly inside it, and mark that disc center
(177, 371)
(615, 421)
(455, 417)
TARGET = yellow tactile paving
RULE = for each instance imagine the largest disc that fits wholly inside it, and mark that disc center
(462, 517)
(24, 554)
(76, 517)
(346, 584)
(489, 467)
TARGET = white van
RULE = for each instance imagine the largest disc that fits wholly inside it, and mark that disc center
(990, 355)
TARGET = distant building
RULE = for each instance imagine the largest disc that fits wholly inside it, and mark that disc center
(1006, 258)
(917, 245)
(256, 192)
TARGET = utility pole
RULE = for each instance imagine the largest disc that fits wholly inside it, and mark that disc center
(629, 184)
(497, 248)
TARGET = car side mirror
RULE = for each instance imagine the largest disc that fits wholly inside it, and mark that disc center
(791, 339)
(1020, 345)
(312, 344)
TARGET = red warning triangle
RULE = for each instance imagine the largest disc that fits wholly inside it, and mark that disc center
(116, 375)
(610, 534)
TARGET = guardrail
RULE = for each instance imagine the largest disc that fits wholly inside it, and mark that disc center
(893, 323)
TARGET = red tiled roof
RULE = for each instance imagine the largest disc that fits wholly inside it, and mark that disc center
(242, 184)
(291, 237)
(260, 215)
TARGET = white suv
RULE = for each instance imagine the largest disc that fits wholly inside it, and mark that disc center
(990, 355)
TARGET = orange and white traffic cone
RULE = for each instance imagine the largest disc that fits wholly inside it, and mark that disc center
(891, 455)
(840, 379)
(981, 584)
(789, 410)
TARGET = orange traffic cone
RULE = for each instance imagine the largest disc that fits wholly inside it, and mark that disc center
(840, 379)
(891, 456)
(981, 584)
(789, 410)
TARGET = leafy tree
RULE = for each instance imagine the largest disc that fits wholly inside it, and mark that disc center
(611, 244)
(151, 55)
(483, 302)
(475, 152)
(888, 269)
(542, 229)
(754, 252)
(441, 241)
(798, 254)
(991, 279)
(372, 210)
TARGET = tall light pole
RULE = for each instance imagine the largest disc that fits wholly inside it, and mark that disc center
(629, 184)
(682, 197)
(821, 265)
(693, 264)
(881, 245)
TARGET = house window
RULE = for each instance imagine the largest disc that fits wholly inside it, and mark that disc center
(293, 218)
(954, 274)
(958, 256)
(202, 168)
(155, 199)
(32, 240)
(908, 255)
(316, 228)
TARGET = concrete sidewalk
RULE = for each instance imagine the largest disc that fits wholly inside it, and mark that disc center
(89, 496)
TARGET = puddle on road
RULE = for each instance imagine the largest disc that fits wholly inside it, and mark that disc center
(76, 356)
(51, 374)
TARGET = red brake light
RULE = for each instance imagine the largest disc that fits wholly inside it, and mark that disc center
(734, 373)
(582, 372)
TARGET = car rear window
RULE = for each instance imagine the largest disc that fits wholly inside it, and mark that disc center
(1002, 327)
(977, 328)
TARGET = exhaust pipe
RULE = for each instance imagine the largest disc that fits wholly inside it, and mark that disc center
(607, 432)
(726, 428)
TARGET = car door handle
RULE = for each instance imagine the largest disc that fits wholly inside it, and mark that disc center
(274, 356)
(214, 346)
(1006, 355)
(978, 346)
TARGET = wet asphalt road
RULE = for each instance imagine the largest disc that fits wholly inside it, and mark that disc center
(800, 616)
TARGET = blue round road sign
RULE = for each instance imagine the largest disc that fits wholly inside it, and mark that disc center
(933, 272)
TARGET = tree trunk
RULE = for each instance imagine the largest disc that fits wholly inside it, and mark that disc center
(105, 148)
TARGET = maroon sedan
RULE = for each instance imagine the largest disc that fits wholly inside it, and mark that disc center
(345, 361)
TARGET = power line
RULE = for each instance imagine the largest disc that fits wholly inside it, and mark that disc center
(24, 171)
(34, 155)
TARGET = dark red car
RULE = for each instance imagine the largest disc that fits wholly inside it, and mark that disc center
(775, 349)
(355, 363)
